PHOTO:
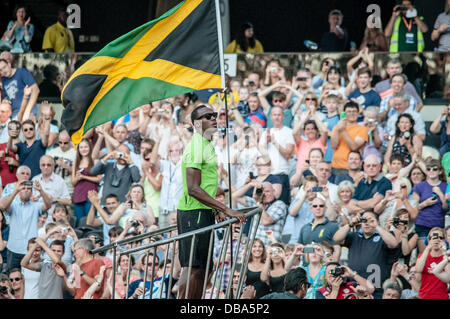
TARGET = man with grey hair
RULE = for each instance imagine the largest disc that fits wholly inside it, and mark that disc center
(375, 131)
(23, 173)
(64, 156)
(383, 88)
(401, 104)
(372, 189)
(336, 39)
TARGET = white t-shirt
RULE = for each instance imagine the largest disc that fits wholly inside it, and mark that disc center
(31, 283)
(283, 136)
(245, 164)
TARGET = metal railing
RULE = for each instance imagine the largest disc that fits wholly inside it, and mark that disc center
(240, 254)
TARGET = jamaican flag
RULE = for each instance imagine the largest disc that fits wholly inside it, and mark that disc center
(174, 54)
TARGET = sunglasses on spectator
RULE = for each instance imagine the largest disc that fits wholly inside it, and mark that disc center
(278, 101)
(310, 99)
(15, 279)
(436, 237)
(208, 116)
(434, 168)
(28, 129)
(321, 206)
(63, 143)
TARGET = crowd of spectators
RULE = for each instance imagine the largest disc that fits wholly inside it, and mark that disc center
(337, 161)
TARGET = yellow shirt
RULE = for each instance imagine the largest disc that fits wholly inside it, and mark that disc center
(58, 38)
(233, 47)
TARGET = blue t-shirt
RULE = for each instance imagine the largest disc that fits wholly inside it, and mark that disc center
(30, 156)
(370, 98)
(331, 123)
(13, 88)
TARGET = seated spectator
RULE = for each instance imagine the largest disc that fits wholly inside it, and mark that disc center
(374, 38)
(344, 208)
(319, 79)
(362, 60)
(279, 99)
(49, 86)
(405, 281)
(274, 271)
(4, 282)
(14, 82)
(416, 176)
(331, 108)
(273, 214)
(391, 291)
(274, 73)
(23, 219)
(58, 38)
(295, 286)
(60, 213)
(405, 143)
(17, 283)
(5, 114)
(19, 33)
(338, 288)
(372, 189)
(253, 82)
(355, 174)
(347, 136)
(378, 245)
(375, 132)
(61, 230)
(432, 287)
(439, 126)
(432, 203)
(441, 31)
(336, 39)
(245, 41)
(406, 28)
(23, 173)
(364, 95)
(320, 228)
(53, 185)
(118, 175)
(256, 112)
(384, 88)
(302, 81)
(122, 280)
(333, 84)
(308, 168)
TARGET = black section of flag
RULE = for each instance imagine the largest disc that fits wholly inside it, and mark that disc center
(194, 42)
(77, 98)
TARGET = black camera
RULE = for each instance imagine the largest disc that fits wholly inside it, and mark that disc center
(134, 223)
(259, 191)
(435, 236)
(251, 83)
(300, 79)
(363, 220)
(3, 290)
(401, 8)
(28, 183)
(396, 221)
(251, 176)
(338, 271)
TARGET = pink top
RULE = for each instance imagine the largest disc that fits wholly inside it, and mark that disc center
(304, 147)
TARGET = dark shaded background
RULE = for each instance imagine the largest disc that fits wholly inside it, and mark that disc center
(281, 25)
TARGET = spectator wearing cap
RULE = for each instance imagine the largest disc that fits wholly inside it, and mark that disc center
(441, 30)
(369, 249)
(23, 219)
(336, 39)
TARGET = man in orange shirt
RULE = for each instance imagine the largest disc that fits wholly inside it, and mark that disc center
(347, 136)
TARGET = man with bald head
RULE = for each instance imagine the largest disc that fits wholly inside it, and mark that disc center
(5, 114)
(119, 173)
(64, 157)
(372, 189)
(53, 184)
(274, 211)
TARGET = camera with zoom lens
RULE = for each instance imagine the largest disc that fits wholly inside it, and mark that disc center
(363, 220)
(3, 290)
(338, 271)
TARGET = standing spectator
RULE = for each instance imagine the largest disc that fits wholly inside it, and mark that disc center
(9, 161)
(4, 282)
(274, 270)
(23, 219)
(320, 228)
(280, 144)
(406, 29)
(51, 284)
(19, 33)
(111, 204)
(14, 82)
(369, 249)
(82, 179)
(333, 84)
(432, 287)
(53, 185)
(319, 79)
(122, 280)
(5, 114)
(374, 38)
(245, 41)
(355, 174)
(344, 208)
(256, 112)
(441, 30)
(432, 202)
(375, 131)
(338, 288)
(17, 283)
(58, 38)
(32, 148)
(383, 88)
(31, 277)
(364, 95)
(391, 291)
(49, 86)
(439, 126)
(117, 175)
(255, 266)
(64, 156)
(336, 39)
(372, 189)
(86, 267)
(278, 99)
(347, 136)
(152, 180)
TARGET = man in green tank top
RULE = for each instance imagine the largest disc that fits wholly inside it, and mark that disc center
(197, 207)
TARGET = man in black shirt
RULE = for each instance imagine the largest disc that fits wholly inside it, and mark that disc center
(336, 40)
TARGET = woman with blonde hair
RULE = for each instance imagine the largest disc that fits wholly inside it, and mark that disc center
(374, 38)
(345, 208)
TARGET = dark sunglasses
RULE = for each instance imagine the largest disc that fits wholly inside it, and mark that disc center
(278, 101)
(310, 99)
(321, 206)
(15, 279)
(434, 168)
(28, 129)
(208, 116)
(63, 143)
